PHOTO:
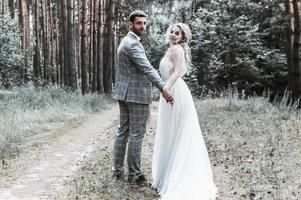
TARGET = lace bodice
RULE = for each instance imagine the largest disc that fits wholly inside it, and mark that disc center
(166, 67)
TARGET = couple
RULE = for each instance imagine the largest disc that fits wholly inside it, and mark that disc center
(180, 167)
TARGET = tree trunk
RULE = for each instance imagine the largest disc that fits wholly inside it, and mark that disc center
(63, 72)
(290, 40)
(108, 47)
(296, 70)
(83, 48)
(90, 45)
(55, 44)
(51, 41)
(99, 58)
(70, 47)
(25, 37)
(78, 36)
(36, 56)
(65, 43)
(44, 43)
(94, 47)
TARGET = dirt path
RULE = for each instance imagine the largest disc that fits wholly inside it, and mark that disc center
(94, 180)
(76, 164)
(57, 161)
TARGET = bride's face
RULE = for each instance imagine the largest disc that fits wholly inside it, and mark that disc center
(175, 35)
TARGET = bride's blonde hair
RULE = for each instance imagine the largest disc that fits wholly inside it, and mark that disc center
(186, 33)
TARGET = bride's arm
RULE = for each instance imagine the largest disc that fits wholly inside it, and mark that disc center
(178, 59)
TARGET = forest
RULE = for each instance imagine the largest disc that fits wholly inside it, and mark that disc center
(251, 45)
(58, 120)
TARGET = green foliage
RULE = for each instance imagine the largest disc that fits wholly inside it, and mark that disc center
(235, 43)
(239, 44)
(162, 15)
(10, 54)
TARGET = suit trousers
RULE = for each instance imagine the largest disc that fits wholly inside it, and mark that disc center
(131, 131)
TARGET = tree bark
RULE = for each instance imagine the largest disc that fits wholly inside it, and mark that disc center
(78, 36)
(62, 39)
(83, 48)
(296, 70)
(290, 40)
(90, 45)
(99, 58)
(65, 42)
(36, 56)
(25, 37)
(94, 47)
(51, 42)
(108, 50)
(56, 42)
(22, 13)
(45, 35)
(70, 47)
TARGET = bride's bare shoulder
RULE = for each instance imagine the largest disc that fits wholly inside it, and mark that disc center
(176, 47)
(175, 50)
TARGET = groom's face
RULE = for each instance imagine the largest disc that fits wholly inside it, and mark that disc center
(138, 26)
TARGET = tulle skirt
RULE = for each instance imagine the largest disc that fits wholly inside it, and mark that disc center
(181, 167)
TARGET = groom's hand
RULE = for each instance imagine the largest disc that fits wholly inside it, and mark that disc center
(167, 95)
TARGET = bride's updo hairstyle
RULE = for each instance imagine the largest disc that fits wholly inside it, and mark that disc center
(186, 33)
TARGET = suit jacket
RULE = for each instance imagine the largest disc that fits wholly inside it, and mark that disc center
(134, 73)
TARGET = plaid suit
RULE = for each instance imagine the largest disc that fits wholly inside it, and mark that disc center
(133, 90)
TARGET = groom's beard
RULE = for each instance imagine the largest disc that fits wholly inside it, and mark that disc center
(139, 32)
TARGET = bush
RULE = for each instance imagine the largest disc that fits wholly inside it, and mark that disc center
(240, 44)
(10, 55)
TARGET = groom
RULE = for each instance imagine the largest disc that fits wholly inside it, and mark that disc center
(133, 90)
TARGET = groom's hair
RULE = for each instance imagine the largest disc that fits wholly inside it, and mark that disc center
(136, 13)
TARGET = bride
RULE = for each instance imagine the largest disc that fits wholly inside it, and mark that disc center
(181, 167)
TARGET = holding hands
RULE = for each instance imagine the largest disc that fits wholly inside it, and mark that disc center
(167, 95)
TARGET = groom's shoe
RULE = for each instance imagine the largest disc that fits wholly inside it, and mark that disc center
(117, 176)
(139, 180)
(117, 173)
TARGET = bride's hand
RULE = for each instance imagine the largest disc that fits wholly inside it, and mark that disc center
(167, 95)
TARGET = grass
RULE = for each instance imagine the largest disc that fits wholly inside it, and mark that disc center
(28, 111)
(254, 147)
(94, 179)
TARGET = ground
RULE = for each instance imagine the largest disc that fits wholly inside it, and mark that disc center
(50, 160)
(249, 160)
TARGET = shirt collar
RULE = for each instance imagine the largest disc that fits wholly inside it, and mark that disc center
(136, 36)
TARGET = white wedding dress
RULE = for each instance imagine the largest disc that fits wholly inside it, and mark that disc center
(181, 167)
